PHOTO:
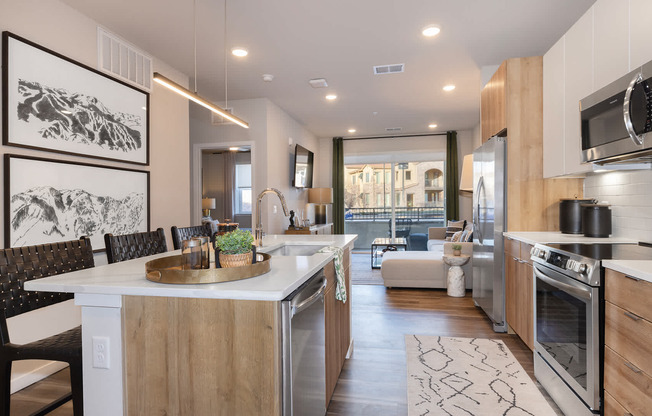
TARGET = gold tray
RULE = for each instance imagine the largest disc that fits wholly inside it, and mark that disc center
(169, 270)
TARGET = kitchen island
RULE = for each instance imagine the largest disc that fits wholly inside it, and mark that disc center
(151, 348)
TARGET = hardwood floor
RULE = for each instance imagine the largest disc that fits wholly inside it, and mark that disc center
(373, 381)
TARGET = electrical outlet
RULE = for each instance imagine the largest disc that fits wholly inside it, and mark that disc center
(101, 352)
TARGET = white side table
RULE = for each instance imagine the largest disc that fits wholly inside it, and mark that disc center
(456, 280)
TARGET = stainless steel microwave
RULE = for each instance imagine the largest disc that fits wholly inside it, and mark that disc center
(615, 120)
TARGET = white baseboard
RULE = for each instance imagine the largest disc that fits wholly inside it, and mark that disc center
(34, 373)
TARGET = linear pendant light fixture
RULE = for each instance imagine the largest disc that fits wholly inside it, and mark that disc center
(192, 96)
(197, 99)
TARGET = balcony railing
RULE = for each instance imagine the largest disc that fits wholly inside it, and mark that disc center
(434, 183)
(383, 214)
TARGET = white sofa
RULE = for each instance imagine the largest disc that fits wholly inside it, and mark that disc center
(424, 269)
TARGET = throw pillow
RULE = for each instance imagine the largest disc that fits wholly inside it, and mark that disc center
(469, 234)
(453, 227)
(457, 237)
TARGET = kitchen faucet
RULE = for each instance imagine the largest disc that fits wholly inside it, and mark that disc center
(258, 233)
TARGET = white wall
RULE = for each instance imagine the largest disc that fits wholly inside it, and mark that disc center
(628, 192)
(272, 155)
(56, 26)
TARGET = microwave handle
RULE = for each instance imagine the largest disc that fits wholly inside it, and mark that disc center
(638, 140)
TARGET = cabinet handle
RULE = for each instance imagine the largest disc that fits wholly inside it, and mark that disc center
(632, 367)
(515, 259)
(632, 316)
(633, 278)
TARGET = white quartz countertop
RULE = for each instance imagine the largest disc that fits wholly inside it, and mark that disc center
(128, 278)
(534, 237)
(641, 269)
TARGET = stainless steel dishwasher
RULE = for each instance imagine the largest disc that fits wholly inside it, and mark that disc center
(304, 349)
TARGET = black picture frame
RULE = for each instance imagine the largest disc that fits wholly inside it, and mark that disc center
(53, 103)
(49, 200)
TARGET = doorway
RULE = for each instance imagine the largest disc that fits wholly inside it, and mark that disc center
(223, 173)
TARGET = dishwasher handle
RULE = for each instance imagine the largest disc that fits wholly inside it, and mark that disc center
(310, 300)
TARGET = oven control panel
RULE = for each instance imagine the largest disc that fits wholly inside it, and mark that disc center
(562, 261)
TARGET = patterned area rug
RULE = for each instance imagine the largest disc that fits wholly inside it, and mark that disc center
(468, 376)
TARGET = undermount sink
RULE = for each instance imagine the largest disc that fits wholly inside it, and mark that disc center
(295, 250)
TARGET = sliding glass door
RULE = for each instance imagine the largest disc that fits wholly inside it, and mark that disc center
(392, 198)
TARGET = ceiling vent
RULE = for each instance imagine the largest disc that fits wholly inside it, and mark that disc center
(218, 120)
(393, 129)
(389, 69)
(123, 61)
(318, 83)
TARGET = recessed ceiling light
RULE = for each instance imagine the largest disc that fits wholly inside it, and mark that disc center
(238, 51)
(331, 97)
(432, 126)
(431, 30)
(351, 130)
(234, 149)
(449, 88)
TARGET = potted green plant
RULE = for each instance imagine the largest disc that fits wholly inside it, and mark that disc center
(457, 249)
(234, 248)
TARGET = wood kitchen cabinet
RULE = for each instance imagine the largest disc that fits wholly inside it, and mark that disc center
(492, 105)
(519, 297)
(532, 202)
(338, 325)
(628, 345)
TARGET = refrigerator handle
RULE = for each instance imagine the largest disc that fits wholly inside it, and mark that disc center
(476, 212)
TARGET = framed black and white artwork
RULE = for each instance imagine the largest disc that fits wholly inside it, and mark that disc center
(48, 200)
(51, 102)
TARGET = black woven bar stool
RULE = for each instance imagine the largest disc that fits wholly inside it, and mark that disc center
(21, 264)
(132, 246)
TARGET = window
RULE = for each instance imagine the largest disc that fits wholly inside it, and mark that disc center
(388, 202)
(387, 177)
(367, 200)
(243, 189)
(379, 200)
(410, 200)
(398, 198)
(366, 177)
(408, 175)
(353, 180)
(377, 177)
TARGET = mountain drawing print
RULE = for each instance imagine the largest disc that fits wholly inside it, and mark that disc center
(48, 214)
(78, 118)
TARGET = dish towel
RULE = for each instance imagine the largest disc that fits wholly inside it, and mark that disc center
(340, 289)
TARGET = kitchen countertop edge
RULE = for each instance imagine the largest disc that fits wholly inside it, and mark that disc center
(551, 237)
(126, 278)
(640, 269)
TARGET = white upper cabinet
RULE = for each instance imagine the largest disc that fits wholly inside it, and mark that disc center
(553, 110)
(611, 41)
(640, 29)
(578, 70)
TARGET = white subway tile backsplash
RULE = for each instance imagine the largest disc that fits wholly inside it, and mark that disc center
(630, 195)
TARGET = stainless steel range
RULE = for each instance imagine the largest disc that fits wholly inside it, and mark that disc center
(569, 320)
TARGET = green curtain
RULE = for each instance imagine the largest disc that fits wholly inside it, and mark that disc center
(452, 179)
(338, 185)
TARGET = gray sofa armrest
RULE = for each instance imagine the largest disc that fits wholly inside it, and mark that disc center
(436, 233)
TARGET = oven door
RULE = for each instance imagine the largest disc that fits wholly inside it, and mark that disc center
(567, 331)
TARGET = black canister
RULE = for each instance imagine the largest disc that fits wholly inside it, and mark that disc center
(570, 215)
(596, 220)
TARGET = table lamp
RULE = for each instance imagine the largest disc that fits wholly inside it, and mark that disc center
(320, 197)
(466, 183)
(207, 204)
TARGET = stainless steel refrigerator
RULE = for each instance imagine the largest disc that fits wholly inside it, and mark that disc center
(489, 222)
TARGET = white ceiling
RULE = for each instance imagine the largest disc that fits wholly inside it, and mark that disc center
(341, 40)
